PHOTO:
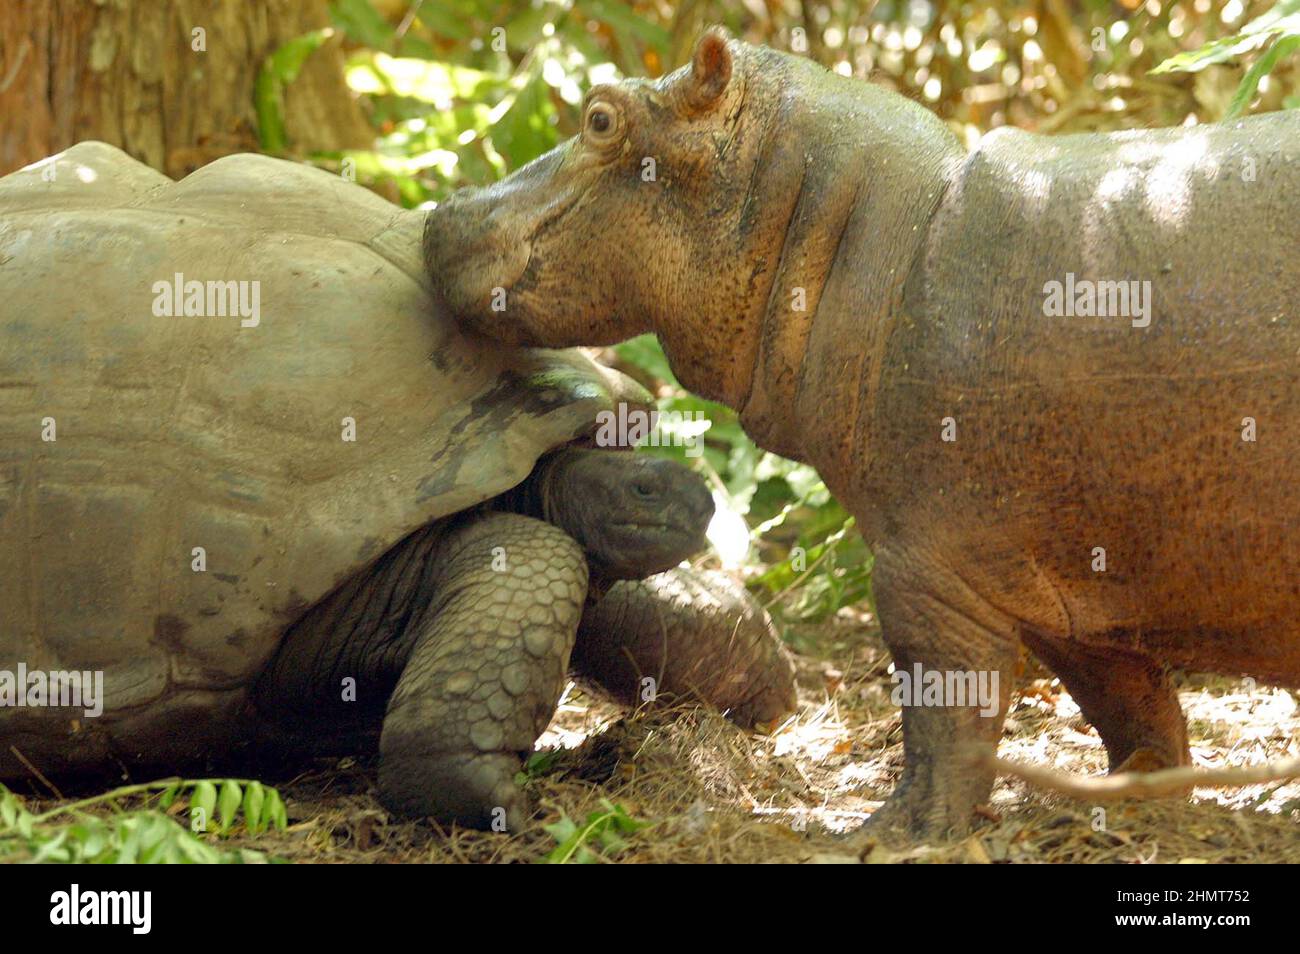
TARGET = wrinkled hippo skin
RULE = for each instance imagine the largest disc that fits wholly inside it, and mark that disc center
(1113, 492)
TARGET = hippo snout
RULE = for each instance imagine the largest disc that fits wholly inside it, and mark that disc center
(459, 227)
(475, 251)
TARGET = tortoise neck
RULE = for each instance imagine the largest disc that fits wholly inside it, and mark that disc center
(535, 495)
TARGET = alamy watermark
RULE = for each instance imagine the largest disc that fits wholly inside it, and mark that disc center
(635, 427)
(946, 687)
(75, 906)
(211, 299)
(1085, 298)
(55, 688)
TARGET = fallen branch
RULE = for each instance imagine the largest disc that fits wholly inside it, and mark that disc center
(1162, 784)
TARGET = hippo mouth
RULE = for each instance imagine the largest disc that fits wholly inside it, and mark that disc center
(475, 256)
(551, 219)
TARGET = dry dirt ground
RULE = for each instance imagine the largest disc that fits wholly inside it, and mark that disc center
(708, 792)
(688, 786)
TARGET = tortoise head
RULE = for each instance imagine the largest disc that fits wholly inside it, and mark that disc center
(634, 514)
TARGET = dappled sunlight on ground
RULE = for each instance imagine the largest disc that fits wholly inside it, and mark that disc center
(712, 792)
(704, 790)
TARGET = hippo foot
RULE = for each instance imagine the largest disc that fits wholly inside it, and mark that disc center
(933, 802)
(474, 789)
(1148, 760)
(948, 774)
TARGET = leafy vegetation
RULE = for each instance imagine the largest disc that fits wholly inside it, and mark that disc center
(805, 555)
(81, 832)
(1276, 32)
(463, 91)
(602, 835)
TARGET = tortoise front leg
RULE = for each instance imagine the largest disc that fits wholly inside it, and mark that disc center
(684, 634)
(486, 671)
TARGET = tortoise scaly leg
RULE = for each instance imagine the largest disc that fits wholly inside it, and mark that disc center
(684, 634)
(485, 673)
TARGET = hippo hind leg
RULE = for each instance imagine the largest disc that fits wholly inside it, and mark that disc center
(485, 672)
(1127, 696)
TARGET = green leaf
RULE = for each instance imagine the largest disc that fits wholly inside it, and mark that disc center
(1261, 68)
(146, 835)
(154, 831)
(445, 22)
(646, 353)
(524, 130)
(527, 26)
(205, 800)
(254, 798)
(9, 807)
(129, 851)
(168, 796)
(626, 24)
(622, 819)
(51, 850)
(1217, 51)
(562, 830)
(541, 763)
(1283, 19)
(275, 810)
(228, 804)
(195, 851)
(362, 22)
(601, 828)
(278, 70)
(93, 835)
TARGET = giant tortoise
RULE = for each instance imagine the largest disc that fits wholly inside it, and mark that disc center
(250, 475)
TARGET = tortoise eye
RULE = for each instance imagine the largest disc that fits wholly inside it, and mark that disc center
(600, 121)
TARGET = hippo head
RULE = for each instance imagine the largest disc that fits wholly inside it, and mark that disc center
(643, 216)
(701, 206)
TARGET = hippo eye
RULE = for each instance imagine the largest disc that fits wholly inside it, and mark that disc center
(602, 122)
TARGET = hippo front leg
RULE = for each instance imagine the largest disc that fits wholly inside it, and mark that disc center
(486, 671)
(932, 619)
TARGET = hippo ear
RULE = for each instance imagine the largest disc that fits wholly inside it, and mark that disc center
(710, 69)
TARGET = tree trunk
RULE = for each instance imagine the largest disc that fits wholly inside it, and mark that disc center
(128, 72)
